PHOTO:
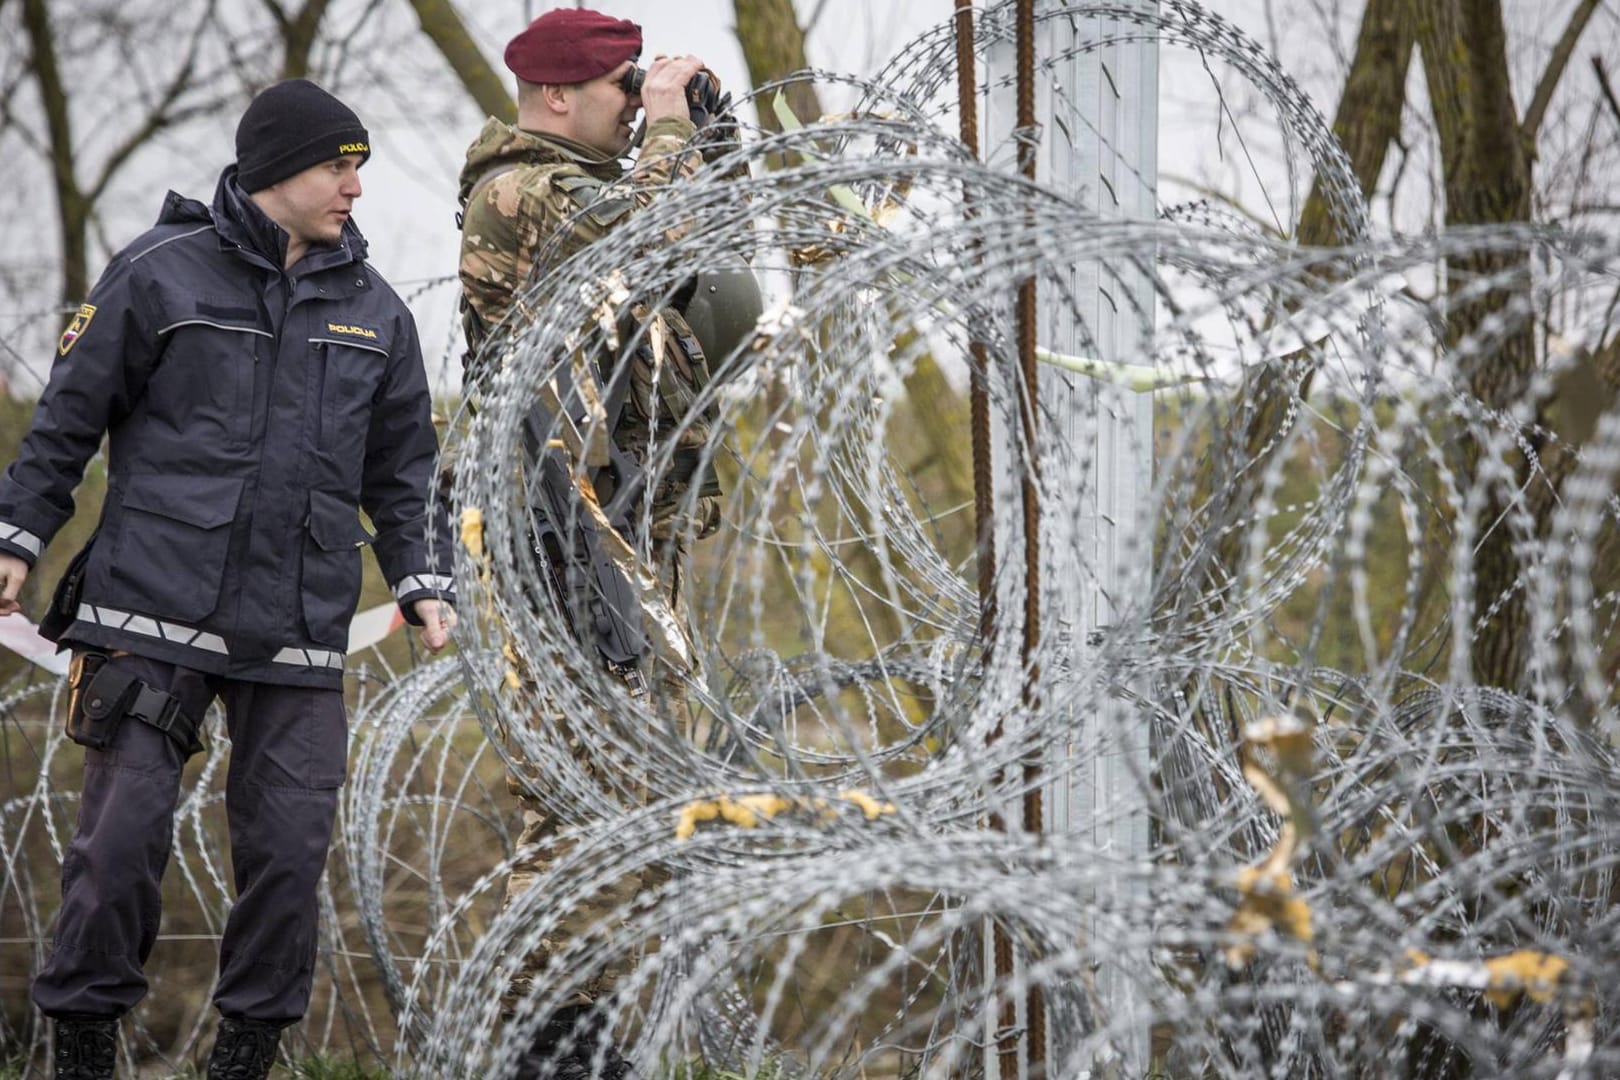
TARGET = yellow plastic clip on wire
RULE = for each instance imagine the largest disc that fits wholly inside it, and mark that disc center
(472, 531)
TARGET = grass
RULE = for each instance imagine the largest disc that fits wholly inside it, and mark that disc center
(769, 1069)
(319, 1067)
(324, 1067)
(701, 1071)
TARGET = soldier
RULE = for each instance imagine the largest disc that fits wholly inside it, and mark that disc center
(259, 383)
(555, 182)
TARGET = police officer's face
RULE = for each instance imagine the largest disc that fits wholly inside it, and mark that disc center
(603, 113)
(313, 205)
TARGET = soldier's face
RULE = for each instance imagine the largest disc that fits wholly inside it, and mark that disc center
(313, 205)
(603, 113)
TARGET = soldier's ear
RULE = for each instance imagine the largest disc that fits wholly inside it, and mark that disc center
(557, 99)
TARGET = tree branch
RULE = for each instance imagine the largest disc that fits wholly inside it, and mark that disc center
(1368, 119)
(773, 47)
(483, 84)
(298, 37)
(1603, 84)
(1537, 112)
(338, 60)
(1213, 194)
(71, 209)
(12, 123)
(278, 13)
(52, 92)
(161, 115)
(809, 24)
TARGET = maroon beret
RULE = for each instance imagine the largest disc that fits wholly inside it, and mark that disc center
(572, 45)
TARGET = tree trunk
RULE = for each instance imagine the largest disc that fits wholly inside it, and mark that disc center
(1369, 114)
(940, 415)
(773, 47)
(298, 36)
(1367, 121)
(1487, 172)
(72, 208)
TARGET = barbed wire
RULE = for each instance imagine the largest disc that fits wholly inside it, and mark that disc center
(1300, 839)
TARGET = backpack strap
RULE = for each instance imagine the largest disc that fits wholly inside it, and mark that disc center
(494, 172)
(589, 194)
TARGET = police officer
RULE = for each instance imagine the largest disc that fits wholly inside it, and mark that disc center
(259, 384)
(555, 182)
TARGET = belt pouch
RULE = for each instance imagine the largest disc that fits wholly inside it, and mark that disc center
(97, 696)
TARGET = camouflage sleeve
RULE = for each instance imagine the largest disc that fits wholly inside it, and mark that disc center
(665, 156)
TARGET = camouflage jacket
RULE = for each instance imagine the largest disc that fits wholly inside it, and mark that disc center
(519, 190)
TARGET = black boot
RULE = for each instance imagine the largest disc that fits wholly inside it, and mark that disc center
(581, 1028)
(86, 1047)
(243, 1050)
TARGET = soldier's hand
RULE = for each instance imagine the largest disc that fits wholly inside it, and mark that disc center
(13, 572)
(438, 619)
(664, 92)
(721, 134)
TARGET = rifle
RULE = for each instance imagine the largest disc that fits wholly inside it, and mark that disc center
(606, 594)
(596, 601)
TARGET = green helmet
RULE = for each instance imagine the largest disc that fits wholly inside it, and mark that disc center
(725, 307)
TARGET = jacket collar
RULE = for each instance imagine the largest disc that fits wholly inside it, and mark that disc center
(242, 226)
(591, 160)
(501, 145)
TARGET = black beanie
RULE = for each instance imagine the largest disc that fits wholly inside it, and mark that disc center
(290, 126)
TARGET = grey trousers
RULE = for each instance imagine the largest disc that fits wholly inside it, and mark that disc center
(289, 748)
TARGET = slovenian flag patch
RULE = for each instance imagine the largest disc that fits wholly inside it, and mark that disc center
(75, 329)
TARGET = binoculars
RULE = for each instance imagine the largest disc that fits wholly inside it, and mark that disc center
(703, 99)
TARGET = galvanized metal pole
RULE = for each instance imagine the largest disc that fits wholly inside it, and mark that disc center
(1093, 459)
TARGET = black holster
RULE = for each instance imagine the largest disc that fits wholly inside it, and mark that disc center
(65, 598)
(101, 695)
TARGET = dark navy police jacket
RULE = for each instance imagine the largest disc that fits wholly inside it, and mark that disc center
(250, 412)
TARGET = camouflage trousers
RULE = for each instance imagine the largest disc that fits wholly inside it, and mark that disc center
(540, 847)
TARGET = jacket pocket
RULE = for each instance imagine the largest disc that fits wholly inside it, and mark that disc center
(351, 379)
(202, 385)
(331, 578)
(174, 535)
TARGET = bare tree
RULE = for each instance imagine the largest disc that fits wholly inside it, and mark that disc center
(1367, 123)
(773, 44)
(1487, 155)
(298, 30)
(166, 80)
(81, 178)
